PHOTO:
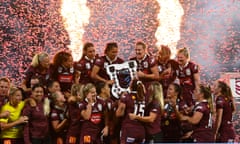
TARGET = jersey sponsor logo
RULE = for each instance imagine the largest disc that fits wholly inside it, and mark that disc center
(87, 139)
(96, 118)
(219, 101)
(72, 140)
(130, 140)
(65, 78)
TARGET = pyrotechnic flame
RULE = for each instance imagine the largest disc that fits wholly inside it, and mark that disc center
(168, 31)
(75, 16)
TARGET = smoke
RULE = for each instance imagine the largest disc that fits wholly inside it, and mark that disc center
(209, 30)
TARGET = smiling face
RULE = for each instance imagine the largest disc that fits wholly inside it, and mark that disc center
(4, 88)
(16, 98)
(112, 53)
(45, 62)
(91, 95)
(140, 51)
(90, 52)
(216, 89)
(55, 87)
(38, 93)
(68, 63)
(60, 99)
(182, 59)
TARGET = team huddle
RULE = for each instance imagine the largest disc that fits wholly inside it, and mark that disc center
(67, 102)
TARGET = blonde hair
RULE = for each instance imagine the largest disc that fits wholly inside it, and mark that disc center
(165, 50)
(86, 89)
(38, 58)
(157, 94)
(185, 52)
(77, 90)
(13, 90)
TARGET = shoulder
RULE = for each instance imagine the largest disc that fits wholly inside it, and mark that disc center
(193, 66)
(151, 60)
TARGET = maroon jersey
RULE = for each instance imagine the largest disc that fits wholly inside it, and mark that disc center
(170, 125)
(74, 114)
(167, 80)
(85, 65)
(203, 131)
(226, 129)
(38, 124)
(132, 130)
(65, 77)
(103, 62)
(186, 78)
(34, 71)
(154, 127)
(182, 107)
(145, 66)
(59, 114)
(91, 129)
(113, 121)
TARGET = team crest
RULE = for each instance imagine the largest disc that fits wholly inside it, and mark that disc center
(145, 64)
(88, 66)
(188, 72)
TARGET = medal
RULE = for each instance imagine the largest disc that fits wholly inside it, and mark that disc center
(166, 122)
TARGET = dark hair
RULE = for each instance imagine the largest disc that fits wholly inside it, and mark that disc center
(86, 46)
(37, 86)
(60, 57)
(110, 46)
(206, 91)
(99, 87)
(142, 44)
(225, 89)
(5, 79)
(226, 92)
(177, 89)
(139, 88)
(50, 83)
